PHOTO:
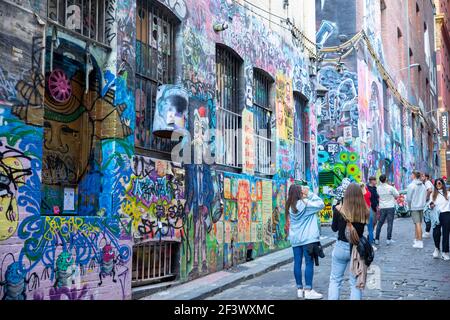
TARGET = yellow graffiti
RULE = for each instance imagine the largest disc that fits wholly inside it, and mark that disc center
(65, 226)
(9, 213)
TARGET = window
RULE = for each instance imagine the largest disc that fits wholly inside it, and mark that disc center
(89, 18)
(228, 70)
(154, 66)
(262, 84)
(301, 137)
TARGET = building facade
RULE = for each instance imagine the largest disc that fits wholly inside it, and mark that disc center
(98, 194)
(442, 30)
(379, 114)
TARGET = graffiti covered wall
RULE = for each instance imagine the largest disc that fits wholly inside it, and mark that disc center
(361, 122)
(75, 196)
(66, 147)
(228, 216)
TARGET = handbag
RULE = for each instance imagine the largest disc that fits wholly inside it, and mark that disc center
(315, 250)
(365, 251)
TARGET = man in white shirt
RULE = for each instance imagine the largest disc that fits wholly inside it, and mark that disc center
(388, 196)
(430, 188)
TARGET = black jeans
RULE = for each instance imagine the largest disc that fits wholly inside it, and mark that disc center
(388, 214)
(444, 219)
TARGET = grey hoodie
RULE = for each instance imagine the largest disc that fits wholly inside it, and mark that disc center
(416, 195)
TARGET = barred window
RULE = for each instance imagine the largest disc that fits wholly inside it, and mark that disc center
(262, 84)
(90, 18)
(154, 66)
(301, 137)
(228, 69)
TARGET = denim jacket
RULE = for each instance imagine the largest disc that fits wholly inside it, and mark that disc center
(304, 228)
(431, 215)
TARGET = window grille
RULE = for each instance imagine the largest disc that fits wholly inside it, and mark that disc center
(154, 261)
(301, 138)
(262, 121)
(228, 67)
(90, 18)
(154, 66)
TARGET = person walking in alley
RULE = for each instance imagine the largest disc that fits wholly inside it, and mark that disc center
(387, 196)
(302, 207)
(351, 211)
(439, 208)
(374, 201)
(416, 196)
(430, 189)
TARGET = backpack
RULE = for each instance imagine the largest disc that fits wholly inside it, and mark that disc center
(365, 250)
(363, 246)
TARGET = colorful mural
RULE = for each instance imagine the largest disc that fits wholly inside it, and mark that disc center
(66, 145)
(75, 196)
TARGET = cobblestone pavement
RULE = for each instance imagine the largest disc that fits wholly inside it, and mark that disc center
(399, 272)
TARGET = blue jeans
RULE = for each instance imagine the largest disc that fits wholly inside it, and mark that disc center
(339, 261)
(370, 225)
(299, 252)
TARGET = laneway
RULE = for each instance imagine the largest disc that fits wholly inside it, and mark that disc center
(404, 273)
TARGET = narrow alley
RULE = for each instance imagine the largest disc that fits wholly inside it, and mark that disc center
(401, 273)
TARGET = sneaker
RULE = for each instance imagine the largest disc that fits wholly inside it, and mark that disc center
(445, 256)
(418, 245)
(300, 293)
(374, 248)
(426, 235)
(377, 242)
(313, 295)
(436, 253)
(388, 242)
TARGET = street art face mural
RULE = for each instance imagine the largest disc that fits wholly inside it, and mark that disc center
(62, 129)
(74, 123)
(171, 110)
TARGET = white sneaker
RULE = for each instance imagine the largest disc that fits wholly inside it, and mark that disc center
(388, 242)
(426, 235)
(436, 253)
(377, 242)
(313, 295)
(374, 248)
(445, 256)
(300, 293)
(418, 244)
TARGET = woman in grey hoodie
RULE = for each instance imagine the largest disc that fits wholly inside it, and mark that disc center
(302, 208)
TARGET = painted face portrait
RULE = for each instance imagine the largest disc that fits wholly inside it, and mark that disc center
(171, 110)
(67, 137)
